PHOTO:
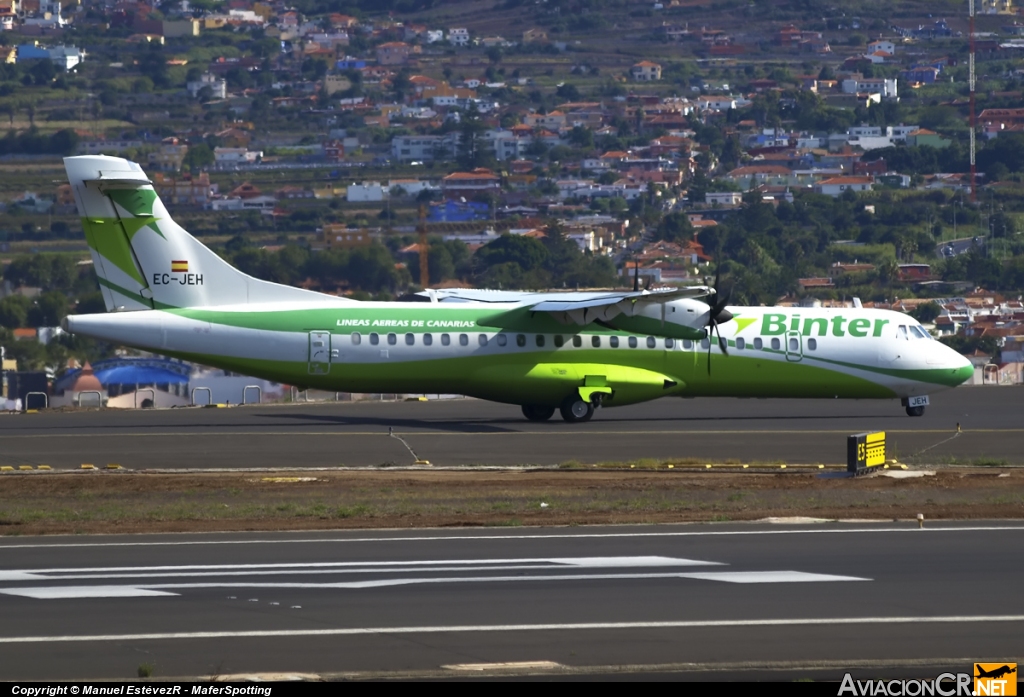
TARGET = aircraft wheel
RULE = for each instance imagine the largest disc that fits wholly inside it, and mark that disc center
(575, 410)
(915, 411)
(534, 413)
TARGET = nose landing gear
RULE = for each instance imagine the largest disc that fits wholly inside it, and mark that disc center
(915, 405)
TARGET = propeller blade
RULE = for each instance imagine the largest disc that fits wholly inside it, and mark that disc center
(711, 332)
(636, 276)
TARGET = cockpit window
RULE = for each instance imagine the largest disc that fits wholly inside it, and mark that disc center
(902, 334)
(919, 332)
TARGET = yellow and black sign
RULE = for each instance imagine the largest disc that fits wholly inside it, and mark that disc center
(995, 679)
(865, 451)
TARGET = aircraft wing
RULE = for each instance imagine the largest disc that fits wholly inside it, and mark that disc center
(665, 295)
(607, 306)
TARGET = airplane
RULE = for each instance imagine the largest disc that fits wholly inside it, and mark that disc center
(167, 293)
(995, 673)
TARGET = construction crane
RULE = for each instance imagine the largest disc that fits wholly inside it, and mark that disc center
(423, 228)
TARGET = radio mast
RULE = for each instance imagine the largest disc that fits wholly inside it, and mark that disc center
(971, 80)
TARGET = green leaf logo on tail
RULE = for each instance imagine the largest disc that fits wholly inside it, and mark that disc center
(139, 204)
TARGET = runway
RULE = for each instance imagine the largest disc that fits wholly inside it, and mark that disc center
(711, 601)
(465, 432)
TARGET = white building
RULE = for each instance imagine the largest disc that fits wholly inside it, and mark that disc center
(458, 36)
(723, 198)
(229, 157)
(882, 46)
(899, 133)
(411, 187)
(218, 86)
(362, 193)
(837, 186)
(423, 148)
(886, 87)
(66, 57)
(257, 203)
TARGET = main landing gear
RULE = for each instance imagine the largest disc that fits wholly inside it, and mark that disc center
(574, 410)
(534, 413)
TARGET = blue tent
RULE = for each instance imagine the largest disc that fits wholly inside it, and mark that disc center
(140, 375)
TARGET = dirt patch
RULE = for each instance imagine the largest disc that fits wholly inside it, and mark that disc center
(95, 502)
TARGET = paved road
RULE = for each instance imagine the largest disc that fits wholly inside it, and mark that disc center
(787, 601)
(473, 432)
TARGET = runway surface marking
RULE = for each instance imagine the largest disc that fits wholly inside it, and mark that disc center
(553, 570)
(59, 592)
(565, 536)
(66, 592)
(430, 432)
(375, 567)
(355, 631)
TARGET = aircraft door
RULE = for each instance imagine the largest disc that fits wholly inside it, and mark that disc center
(319, 353)
(794, 347)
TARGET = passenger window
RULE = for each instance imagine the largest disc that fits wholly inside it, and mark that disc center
(794, 344)
(483, 339)
(669, 342)
(428, 339)
(705, 343)
(445, 340)
(356, 338)
(687, 344)
(392, 339)
(595, 341)
(812, 344)
(318, 344)
(758, 344)
(502, 340)
(651, 342)
(741, 344)
(614, 341)
(374, 338)
(540, 340)
(632, 342)
(559, 341)
(410, 339)
(577, 341)
(463, 339)
(520, 339)
(776, 344)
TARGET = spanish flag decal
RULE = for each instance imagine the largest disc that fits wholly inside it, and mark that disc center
(179, 267)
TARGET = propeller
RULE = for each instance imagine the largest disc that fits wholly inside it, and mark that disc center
(717, 314)
(636, 275)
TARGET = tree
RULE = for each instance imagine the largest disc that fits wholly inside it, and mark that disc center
(14, 311)
(674, 227)
(568, 92)
(527, 253)
(49, 309)
(472, 151)
(197, 157)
